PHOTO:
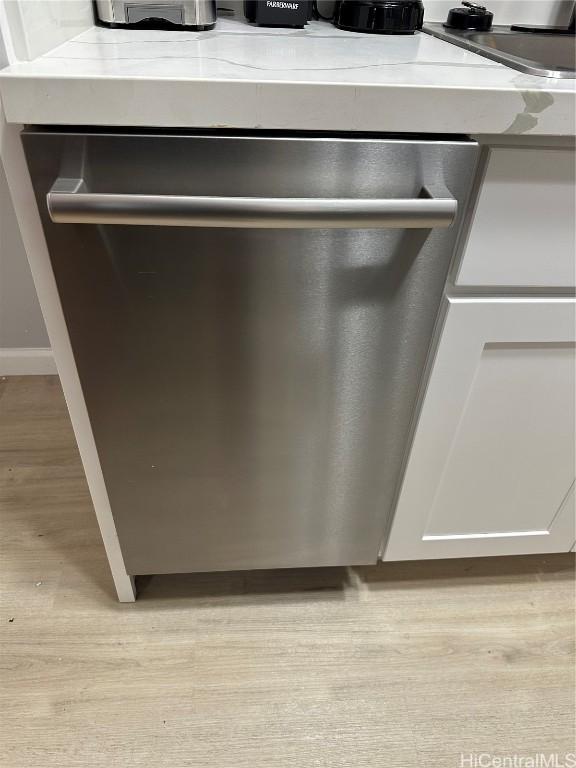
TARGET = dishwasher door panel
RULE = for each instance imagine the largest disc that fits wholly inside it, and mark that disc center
(250, 389)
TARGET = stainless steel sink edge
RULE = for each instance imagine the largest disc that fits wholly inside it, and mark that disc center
(437, 30)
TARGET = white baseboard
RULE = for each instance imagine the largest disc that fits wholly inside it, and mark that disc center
(26, 362)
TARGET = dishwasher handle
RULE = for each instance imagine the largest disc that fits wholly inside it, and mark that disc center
(69, 203)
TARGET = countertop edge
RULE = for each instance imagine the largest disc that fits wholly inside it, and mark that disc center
(186, 103)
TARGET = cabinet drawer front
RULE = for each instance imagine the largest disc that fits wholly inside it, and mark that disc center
(523, 230)
(491, 469)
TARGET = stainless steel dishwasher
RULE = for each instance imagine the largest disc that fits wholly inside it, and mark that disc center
(250, 317)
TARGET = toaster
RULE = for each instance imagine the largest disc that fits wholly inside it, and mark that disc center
(196, 14)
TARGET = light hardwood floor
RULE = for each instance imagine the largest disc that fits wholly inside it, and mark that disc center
(402, 665)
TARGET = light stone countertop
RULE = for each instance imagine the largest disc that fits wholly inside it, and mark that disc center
(317, 78)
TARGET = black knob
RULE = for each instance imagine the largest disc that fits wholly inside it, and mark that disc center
(473, 16)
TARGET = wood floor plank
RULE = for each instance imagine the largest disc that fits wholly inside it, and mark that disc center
(401, 665)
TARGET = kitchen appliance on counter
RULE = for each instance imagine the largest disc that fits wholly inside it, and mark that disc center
(385, 17)
(250, 316)
(277, 13)
(195, 14)
(470, 16)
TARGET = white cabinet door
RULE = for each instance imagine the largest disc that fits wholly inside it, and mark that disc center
(523, 229)
(492, 465)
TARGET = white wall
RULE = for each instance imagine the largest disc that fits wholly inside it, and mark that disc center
(24, 344)
(555, 12)
(23, 339)
(21, 323)
(37, 26)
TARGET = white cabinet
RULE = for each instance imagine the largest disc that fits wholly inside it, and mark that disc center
(523, 231)
(492, 465)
